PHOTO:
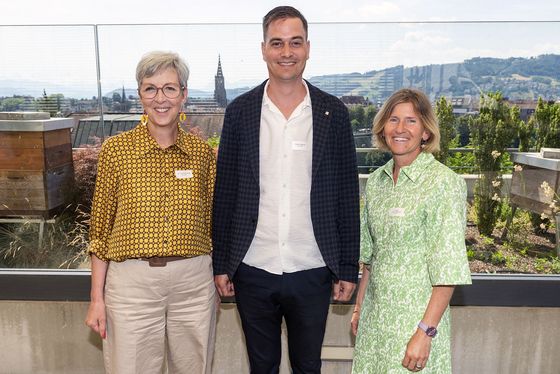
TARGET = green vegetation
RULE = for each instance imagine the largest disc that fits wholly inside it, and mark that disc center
(362, 117)
(492, 132)
(11, 104)
(546, 121)
(446, 120)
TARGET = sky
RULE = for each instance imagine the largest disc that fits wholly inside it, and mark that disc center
(349, 36)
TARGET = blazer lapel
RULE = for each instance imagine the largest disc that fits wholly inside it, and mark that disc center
(253, 118)
(321, 123)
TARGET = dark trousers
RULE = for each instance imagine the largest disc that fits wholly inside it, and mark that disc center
(302, 298)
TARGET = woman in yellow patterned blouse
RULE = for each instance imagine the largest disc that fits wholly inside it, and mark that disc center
(412, 246)
(152, 289)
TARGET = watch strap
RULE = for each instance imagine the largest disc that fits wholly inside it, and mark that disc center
(429, 330)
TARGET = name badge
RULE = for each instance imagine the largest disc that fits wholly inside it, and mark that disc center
(396, 212)
(183, 174)
(299, 146)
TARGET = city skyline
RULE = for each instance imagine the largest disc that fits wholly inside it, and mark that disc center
(65, 55)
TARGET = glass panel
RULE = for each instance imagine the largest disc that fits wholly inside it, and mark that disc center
(53, 69)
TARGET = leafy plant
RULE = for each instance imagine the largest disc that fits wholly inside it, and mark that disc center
(446, 121)
(492, 132)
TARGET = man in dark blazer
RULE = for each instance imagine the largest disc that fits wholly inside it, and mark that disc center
(286, 205)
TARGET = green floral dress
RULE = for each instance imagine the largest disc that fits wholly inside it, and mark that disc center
(412, 237)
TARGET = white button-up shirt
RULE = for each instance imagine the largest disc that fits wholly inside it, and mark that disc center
(284, 241)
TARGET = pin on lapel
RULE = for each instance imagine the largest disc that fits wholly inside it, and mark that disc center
(326, 113)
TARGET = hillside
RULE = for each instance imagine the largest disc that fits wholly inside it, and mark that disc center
(516, 77)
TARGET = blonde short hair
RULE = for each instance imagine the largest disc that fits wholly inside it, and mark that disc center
(422, 108)
(156, 61)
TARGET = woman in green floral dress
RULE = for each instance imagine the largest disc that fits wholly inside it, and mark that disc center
(412, 246)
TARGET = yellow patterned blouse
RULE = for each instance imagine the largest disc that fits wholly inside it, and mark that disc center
(150, 201)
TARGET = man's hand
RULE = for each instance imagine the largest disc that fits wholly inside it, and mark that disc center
(96, 318)
(343, 290)
(224, 285)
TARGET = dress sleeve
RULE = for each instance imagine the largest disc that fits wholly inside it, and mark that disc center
(366, 239)
(104, 207)
(446, 223)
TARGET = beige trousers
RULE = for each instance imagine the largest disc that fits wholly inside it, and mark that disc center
(160, 312)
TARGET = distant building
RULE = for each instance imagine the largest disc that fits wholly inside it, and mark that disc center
(89, 130)
(354, 100)
(203, 104)
(464, 105)
(526, 108)
(220, 95)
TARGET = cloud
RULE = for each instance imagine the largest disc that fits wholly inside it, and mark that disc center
(424, 48)
(368, 12)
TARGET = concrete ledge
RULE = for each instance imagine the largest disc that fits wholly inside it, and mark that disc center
(45, 337)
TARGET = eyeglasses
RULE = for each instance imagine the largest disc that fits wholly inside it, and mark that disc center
(171, 91)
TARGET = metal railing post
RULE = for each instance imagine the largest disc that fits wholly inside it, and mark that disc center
(98, 71)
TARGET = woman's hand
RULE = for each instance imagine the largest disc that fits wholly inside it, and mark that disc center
(354, 321)
(96, 318)
(417, 351)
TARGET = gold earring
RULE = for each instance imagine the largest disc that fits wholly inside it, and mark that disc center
(182, 117)
(144, 119)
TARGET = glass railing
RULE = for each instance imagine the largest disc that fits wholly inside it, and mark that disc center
(86, 73)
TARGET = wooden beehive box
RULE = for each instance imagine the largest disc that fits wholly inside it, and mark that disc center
(36, 168)
(526, 191)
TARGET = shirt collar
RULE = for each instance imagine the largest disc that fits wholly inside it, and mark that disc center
(414, 170)
(144, 142)
(267, 102)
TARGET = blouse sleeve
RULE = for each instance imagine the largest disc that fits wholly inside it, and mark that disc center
(104, 205)
(446, 223)
(366, 238)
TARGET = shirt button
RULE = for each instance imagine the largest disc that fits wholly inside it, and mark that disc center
(283, 244)
(285, 156)
(284, 185)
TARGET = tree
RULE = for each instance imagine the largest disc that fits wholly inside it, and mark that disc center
(446, 120)
(525, 132)
(491, 132)
(51, 104)
(116, 97)
(11, 104)
(370, 113)
(357, 113)
(547, 124)
(463, 131)
(355, 124)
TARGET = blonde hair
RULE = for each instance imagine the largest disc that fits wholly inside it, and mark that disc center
(156, 61)
(422, 108)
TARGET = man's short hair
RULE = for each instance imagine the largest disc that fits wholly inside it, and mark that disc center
(282, 12)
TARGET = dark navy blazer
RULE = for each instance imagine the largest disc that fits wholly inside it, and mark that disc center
(334, 186)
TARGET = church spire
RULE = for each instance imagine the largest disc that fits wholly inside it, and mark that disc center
(219, 86)
(219, 73)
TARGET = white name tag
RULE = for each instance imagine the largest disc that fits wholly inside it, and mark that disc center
(183, 174)
(396, 212)
(299, 146)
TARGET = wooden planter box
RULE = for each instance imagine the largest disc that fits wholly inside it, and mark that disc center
(526, 191)
(36, 168)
